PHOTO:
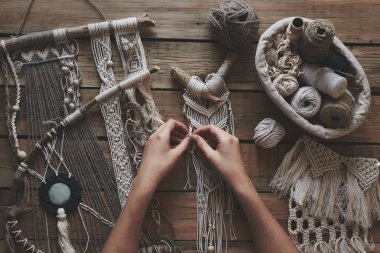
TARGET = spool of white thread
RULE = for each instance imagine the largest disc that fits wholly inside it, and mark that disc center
(323, 79)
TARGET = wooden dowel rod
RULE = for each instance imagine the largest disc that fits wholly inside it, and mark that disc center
(47, 37)
(78, 115)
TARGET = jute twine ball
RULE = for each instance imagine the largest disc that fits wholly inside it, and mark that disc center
(235, 24)
(268, 133)
(337, 113)
(316, 40)
(286, 84)
(306, 102)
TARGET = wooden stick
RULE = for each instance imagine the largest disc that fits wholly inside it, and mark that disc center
(47, 37)
(78, 115)
(183, 78)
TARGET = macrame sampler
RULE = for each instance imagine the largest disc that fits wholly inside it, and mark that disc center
(71, 182)
(333, 199)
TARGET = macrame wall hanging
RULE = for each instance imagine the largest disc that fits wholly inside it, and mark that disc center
(333, 199)
(64, 178)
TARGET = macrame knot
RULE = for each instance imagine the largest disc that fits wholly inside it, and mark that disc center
(268, 133)
(215, 83)
(61, 215)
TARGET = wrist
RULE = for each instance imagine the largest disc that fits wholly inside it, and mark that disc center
(243, 186)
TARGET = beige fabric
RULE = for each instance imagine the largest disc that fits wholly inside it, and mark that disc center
(361, 83)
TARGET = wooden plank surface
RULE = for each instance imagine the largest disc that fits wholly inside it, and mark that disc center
(182, 38)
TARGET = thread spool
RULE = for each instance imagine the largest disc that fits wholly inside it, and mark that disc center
(316, 40)
(306, 102)
(286, 84)
(294, 30)
(337, 113)
(268, 133)
(235, 24)
(323, 79)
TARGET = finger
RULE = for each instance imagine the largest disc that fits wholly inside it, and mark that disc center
(183, 145)
(172, 125)
(203, 145)
(209, 130)
(179, 134)
(174, 140)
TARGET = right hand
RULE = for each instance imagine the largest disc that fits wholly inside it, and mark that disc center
(226, 157)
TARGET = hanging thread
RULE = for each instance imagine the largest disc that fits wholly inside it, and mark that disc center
(323, 79)
(306, 102)
(268, 133)
(336, 113)
(235, 24)
(286, 84)
(316, 40)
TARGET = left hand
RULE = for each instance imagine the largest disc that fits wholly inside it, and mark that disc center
(163, 149)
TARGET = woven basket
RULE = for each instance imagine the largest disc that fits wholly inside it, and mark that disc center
(359, 86)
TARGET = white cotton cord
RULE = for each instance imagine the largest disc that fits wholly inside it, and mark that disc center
(47, 231)
(63, 232)
(306, 102)
(215, 83)
(60, 35)
(125, 25)
(85, 229)
(323, 79)
(188, 185)
(96, 215)
(195, 86)
(268, 133)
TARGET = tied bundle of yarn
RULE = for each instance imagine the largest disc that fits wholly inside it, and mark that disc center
(323, 79)
(316, 40)
(286, 84)
(268, 133)
(337, 113)
(235, 24)
(306, 102)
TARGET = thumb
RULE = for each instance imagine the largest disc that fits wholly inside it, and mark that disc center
(183, 145)
(203, 145)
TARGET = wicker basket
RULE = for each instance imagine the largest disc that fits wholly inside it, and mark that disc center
(359, 86)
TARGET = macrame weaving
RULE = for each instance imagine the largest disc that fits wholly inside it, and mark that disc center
(333, 198)
(210, 187)
(72, 179)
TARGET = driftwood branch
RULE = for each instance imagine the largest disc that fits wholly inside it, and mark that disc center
(47, 37)
(183, 77)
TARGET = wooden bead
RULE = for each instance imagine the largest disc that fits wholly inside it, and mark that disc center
(109, 63)
(21, 154)
(70, 91)
(71, 106)
(16, 108)
(66, 101)
(211, 248)
(75, 82)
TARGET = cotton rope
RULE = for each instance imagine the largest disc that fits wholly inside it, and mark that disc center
(316, 40)
(286, 84)
(323, 79)
(268, 133)
(235, 24)
(336, 113)
(306, 102)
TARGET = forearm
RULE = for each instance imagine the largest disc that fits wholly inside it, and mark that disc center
(126, 234)
(268, 235)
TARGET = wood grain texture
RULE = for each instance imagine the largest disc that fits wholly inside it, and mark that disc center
(188, 19)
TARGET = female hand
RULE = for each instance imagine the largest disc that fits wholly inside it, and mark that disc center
(163, 149)
(226, 157)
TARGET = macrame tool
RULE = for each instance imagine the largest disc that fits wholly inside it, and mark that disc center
(207, 103)
(333, 199)
(323, 79)
(306, 102)
(268, 133)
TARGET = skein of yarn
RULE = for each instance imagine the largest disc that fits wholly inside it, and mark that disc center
(235, 24)
(286, 84)
(316, 40)
(323, 79)
(306, 102)
(337, 113)
(268, 133)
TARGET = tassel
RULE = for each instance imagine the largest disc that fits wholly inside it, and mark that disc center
(63, 232)
(322, 247)
(358, 245)
(342, 246)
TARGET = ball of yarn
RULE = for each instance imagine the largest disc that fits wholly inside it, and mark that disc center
(268, 133)
(316, 40)
(337, 113)
(306, 102)
(235, 24)
(286, 84)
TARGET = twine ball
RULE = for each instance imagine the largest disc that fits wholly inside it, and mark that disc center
(286, 84)
(316, 40)
(235, 24)
(337, 113)
(268, 133)
(306, 102)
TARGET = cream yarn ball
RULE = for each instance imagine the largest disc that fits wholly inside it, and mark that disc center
(268, 133)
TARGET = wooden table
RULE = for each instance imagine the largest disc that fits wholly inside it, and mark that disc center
(182, 38)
